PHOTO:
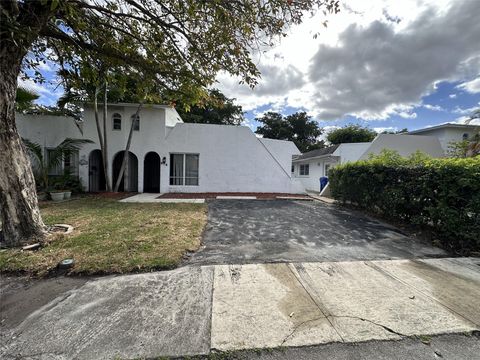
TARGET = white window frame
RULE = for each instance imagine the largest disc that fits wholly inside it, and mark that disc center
(73, 159)
(133, 118)
(60, 168)
(115, 117)
(325, 170)
(184, 177)
(303, 167)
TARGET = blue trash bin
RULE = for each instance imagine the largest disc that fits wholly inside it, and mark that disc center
(323, 182)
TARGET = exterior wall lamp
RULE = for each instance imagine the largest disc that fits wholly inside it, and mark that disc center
(164, 161)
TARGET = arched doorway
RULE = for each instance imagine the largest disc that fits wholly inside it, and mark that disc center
(130, 178)
(151, 173)
(96, 176)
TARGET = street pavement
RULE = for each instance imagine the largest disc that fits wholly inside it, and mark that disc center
(194, 310)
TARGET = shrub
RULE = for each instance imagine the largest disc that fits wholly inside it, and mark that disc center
(67, 182)
(443, 194)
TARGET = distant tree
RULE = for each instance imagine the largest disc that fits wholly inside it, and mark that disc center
(402, 131)
(351, 134)
(215, 109)
(298, 127)
(473, 146)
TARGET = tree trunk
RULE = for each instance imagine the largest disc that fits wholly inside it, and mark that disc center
(127, 149)
(20, 215)
(105, 142)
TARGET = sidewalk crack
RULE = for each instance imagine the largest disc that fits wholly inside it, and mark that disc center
(298, 326)
(386, 328)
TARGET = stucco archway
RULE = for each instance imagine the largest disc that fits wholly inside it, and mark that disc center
(129, 181)
(151, 173)
(96, 176)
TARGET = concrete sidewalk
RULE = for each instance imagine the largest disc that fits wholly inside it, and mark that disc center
(192, 310)
(153, 198)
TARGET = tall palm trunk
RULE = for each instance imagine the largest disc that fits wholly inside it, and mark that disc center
(105, 140)
(127, 149)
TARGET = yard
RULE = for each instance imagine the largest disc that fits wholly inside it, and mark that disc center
(113, 237)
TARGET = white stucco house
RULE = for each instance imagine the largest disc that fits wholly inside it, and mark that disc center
(311, 166)
(448, 133)
(168, 155)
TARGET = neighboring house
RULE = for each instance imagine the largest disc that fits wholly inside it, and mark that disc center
(167, 155)
(310, 166)
(448, 133)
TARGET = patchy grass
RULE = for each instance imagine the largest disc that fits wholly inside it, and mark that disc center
(113, 237)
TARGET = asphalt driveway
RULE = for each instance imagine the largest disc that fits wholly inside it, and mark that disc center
(265, 231)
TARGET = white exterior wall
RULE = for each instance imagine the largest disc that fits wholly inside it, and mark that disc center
(311, 182)
(448, 135)
(351, 151)
(51, 130)
(405, 145)
(282, 151)
(231, 158)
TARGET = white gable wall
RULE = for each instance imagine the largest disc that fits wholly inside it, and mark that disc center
(449, 135)
(405, 145)
(282, 151)
(232, 159)
(351, 151)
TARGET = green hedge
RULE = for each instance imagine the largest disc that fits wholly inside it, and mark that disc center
(443, 194)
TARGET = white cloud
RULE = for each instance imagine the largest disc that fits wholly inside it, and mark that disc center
(407, 115)
(464, 111)
(464, 119)
(376, 59)
(386, 128)
(433, 107)
(452, 96)
(47, 95)
(472, 86)
(35, 87)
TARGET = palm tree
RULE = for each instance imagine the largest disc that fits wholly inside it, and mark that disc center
(24, 99)
(43, 165)
(474, 145)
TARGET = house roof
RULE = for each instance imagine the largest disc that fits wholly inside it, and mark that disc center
(445, 126)
(317, 153)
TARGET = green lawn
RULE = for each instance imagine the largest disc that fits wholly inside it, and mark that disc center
(113, 237)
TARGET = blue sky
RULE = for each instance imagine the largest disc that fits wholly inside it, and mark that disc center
(447, 104)
(385, 64)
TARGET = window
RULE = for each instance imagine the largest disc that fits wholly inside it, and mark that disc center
(56, 169)
(69, 164)
(136, 125)
(117, 121)
(184, 169)
(191, 169)
(304, 169)
(327, 167)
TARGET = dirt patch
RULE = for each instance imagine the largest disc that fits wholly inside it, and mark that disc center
(213, 195)
(23, 295)
(114, 195)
